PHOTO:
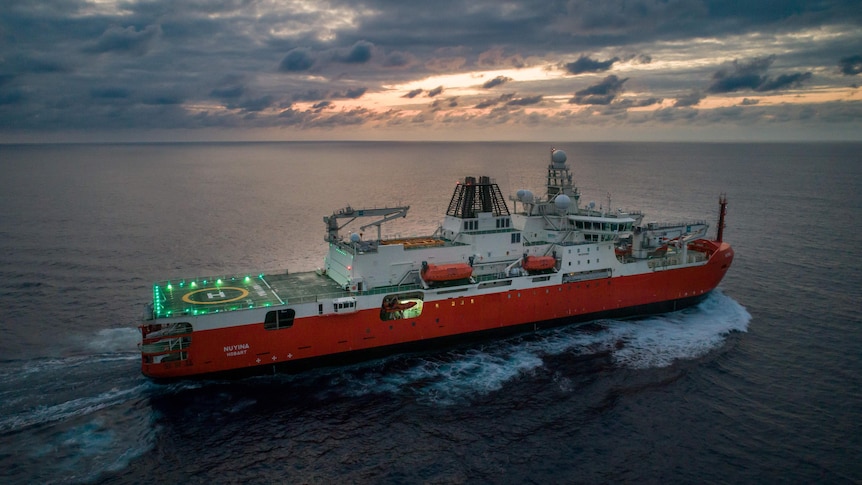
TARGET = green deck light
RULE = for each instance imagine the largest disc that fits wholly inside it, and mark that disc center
(169, 287)
(218, 281)
(193, 284)
(247, 279)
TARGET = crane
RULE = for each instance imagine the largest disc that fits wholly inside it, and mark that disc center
(388, 213)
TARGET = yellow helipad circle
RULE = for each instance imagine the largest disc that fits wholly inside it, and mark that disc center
(188, 296)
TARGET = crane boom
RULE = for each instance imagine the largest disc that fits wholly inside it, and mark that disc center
(388, 213)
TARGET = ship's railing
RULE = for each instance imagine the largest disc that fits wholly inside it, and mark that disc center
(652, 226)
(491, 231)
(673, 260)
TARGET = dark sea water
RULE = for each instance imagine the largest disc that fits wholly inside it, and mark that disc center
(759, 383)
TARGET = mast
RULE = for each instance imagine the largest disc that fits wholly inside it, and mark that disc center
(722, 211)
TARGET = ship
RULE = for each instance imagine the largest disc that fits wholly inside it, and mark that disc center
(485, 272)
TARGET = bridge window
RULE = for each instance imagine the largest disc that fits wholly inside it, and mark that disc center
(516, 237)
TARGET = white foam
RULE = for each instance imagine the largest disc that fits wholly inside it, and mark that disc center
(81, 406)
(639, 344)
(115, 340)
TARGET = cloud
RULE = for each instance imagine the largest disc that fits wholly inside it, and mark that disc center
(751, 75)
(125, 40)
(321, 106)
(525, 101)
(497, 57)
(297, 60)
(585, 64)
(360, 53)
(749, 102)
(110, 93)
(229, 92)
(106, 65)
(601, 93)
(435, 91)
(692, 99)
(11, 98)
(636, 103)
(851, 65)
(497, 81)
(439, 104)
(352, 93)
(397, 59)
(254, 104)
(319, 94)
(784, 81)
(504, 98)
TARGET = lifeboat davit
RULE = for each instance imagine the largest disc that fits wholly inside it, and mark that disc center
(538, 263)
(446, 272)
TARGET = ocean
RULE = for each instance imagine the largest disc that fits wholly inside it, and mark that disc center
(758, 383)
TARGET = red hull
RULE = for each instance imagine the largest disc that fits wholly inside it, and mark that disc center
(248, 346)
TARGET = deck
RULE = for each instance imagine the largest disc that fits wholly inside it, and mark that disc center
(203, 295)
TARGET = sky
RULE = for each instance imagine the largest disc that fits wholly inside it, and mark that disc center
(523, 70)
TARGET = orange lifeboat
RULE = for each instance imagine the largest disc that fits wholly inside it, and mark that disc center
(446, 272)
(538, 263)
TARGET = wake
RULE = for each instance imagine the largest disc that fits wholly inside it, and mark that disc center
(652, 342)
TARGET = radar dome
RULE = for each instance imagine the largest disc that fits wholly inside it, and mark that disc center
(525, 196)
(558, 157)
(520, 194)
(562, 202)
(355, 238)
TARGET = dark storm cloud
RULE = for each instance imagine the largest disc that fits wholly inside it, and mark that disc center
(353, 93)
(497, 81)
(110, 93)
(10, 98)
(32, 65)
(851, 65)
(234, 91)
(163, 99)
(692, 99)
(413, 93)
(358, 54)
(60, 59)
(297, 60)
(751, 75)
(585, 64)
(125, 40)
(602, 93)
(254, 104)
